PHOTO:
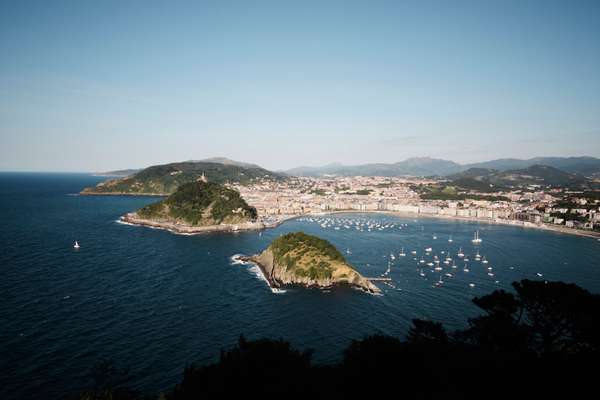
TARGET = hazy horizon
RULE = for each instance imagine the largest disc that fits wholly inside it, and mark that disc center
(92, 87)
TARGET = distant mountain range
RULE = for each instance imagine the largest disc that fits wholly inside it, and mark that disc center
(490, 180)
(425, 166)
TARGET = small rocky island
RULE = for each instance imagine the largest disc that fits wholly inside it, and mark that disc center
(306, 260)
(197, 207)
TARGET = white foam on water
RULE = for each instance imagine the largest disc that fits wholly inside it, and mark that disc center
(120, 221)
(256, 271)
(235, 260)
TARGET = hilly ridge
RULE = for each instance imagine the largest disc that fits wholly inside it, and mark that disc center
(485, 180)
(426, 166)
(165, 179)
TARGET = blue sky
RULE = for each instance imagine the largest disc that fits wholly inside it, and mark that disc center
(99, 85)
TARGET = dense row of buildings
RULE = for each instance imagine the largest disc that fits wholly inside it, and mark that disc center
(298, 196)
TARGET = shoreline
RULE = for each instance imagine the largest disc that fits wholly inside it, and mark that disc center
(497, 221)
(181, 229)
(86, 193)
(277, 287)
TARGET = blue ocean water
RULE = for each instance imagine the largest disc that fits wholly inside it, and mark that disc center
(154, 302)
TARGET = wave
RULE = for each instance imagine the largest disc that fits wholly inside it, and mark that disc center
(256, 271)
(120, 221)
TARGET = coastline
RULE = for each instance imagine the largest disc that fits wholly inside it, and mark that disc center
(87, 193)
(497, 221)
(133, 219)
(265, 264)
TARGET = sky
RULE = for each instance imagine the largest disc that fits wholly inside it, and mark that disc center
(102, 85)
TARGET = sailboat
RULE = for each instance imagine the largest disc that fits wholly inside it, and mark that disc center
(450, 239)
(476, 238)
(460, 253)
(402, 253)
(76, 245)
(484, 261)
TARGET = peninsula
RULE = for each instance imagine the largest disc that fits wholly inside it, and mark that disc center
(162, 180)
(197, 207)
(306, 260)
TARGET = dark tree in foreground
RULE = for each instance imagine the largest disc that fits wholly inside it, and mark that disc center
(542, 341)
(264, 367)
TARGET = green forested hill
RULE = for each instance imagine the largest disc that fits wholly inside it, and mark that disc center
(165, 179)
(199, 204)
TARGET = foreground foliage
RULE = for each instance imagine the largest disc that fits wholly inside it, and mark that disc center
(542, 341)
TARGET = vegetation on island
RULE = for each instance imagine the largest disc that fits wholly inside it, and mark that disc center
(541, 340)
(201, 203)
(306, 255)
(165, 179)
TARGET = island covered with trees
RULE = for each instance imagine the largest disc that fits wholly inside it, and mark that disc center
(301, 259)
(197, 207)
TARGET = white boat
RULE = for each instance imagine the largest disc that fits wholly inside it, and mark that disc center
(76, 245)
(471, 285)
(477, 256)
(428, 249)
(413, 252)
(348, 251)
(450, 239)
(434, 237)
(392, 256)
(460, 253)
(484, 261)
(402, 253)
(476, 238)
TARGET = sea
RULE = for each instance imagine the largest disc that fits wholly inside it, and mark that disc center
(152, 302)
